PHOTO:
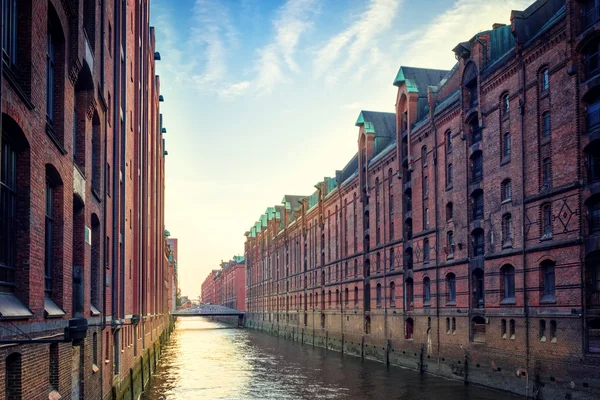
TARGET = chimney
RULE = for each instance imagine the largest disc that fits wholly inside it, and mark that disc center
(497, 25)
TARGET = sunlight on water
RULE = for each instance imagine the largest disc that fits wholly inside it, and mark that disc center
(210, 360)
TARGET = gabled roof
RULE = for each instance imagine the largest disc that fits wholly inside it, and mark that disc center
(418, 79)
(349, 169)
(291, 202)
(379, 123)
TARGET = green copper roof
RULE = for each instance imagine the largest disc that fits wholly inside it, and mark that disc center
(411, 85)
(313, 200)
(263, 219)
(258, 226)
(238, 259)
(331, 184)
(252, 232)
(369, 126)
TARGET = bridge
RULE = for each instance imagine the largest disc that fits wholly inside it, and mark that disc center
(210, 310)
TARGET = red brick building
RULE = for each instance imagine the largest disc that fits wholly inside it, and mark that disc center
(462, 238)
(227, 286)
(82, 200)
(172, 273)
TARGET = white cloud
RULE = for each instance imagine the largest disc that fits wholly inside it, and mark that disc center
(360, 39)
(234, 90)
(278, 56)
(458, 24)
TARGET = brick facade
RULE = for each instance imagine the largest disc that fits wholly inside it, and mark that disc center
(227, 286)
(461, 239)
(85, 239)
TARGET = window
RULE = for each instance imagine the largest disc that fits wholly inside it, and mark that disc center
(507, 273)
(8, 211)
(355, 268)
(503, 329)
(476, 167)
(392, 261)
(449, 211)
(48, 240)
(506, 190)
(408, 228)
(546, 173)
(425, 187)
(505, 105)
(506, 145)
(408, 259)
(409, 289)
(449, 141)
(477, 201)
(479, 291)
(378, 291)
(355, 296)
(512, 329)
(476, 133)
(593, 162)
(426, 251)
(392, 294)
(346, 270)
(13, 377)
(470, 82)
(542, 330)
(50, 59)
(426, 218)
(546, 124)
(426, 290)
(451, 288)
(447, 325)
(548, 280)
(450, 244)
(96, 154)
(553, 331)
(378, 261)
(453, 325)
(507, 230)
(10, 31)
(546, 221)
(424, 156)
(545, 77)
(409, 329)
(478, 242)
(449, 175)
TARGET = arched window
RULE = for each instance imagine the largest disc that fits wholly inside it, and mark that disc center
(378, 293)
(425, 187)
(408, 197)
(449, 141)
(346, 270)
(367, 325)
(478, 329)
(548, 280)
(449, 175)
(426, 218)
(337, 297)
(426, 291)
(408, 228)
(476, 132)
(449, 211)
(506, 145)
(477, 166)
(378, 261)
(96, 267)
(96, 155)
(507, 230)
(13, 377)
(424, 156)
(55, 62)
(355, 268)
(426, 250)
(355, 296)
(546, 129)
(392, 261)
(505, 105)
(346, 296)
(329, 298)
(451, 288)
(506, 190)
(392, 294)
(507, 273)
(477, 202)
(367, 267)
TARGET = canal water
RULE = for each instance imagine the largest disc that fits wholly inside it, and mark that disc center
(210, 360)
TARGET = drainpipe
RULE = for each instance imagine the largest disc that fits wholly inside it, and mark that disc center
(102, 35)
(437, 231)
(523, 258)
(115, 177)
(123, 196)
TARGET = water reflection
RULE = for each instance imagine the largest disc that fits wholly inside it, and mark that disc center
(209, 360)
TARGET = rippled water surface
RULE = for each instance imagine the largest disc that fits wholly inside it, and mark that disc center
(210, 360)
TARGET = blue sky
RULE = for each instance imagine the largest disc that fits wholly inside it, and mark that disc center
(261, 97)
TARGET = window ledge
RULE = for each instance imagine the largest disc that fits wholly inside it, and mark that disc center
(544, 93)
(451, 303)
(94, 311)
(548, 299)
(505, 160)
(426, 304)
(512, 337)
(508, 301)
(449, 187)
(12, 308)
(545, 237)
(507, 245)
(543, 339)
(51, 309)
(506, 201)
(50, 133)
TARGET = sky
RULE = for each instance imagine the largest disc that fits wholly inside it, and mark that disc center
(261, 97)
